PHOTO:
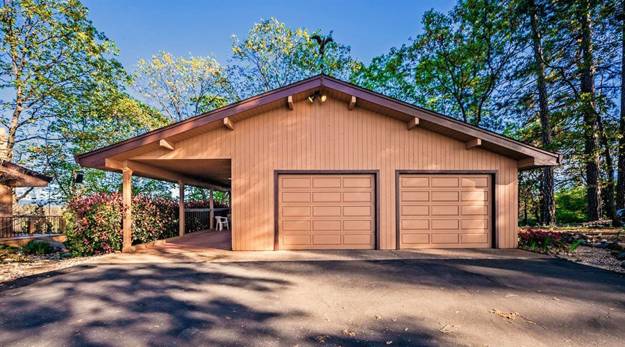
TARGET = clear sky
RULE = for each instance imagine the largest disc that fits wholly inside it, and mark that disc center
(201, 27)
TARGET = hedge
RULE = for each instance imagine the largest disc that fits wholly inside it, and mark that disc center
(94, 222)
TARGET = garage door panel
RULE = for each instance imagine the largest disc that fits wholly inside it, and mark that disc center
(326, 182)
(357, 182)
(444, 210)
(332, 239)
(447, 224)
(445, 182)
(415, 210)
(357, 211)
(414, 182)
(295, 211)
(444, 196)
(475, 210)
(474, 224)
(415, 224)
(357, 197)
(474, 182)
(296, 197)
(475, 196)
(295, 182)
(444, 238)
(415, 238)
(326, 225)
(358, 225)
(415, 196)
(326, 211)
(297, 239)
(326, 197)
(296, 225)
(473, 238)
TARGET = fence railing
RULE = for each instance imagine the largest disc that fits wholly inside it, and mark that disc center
(27, 225)
(198, 219)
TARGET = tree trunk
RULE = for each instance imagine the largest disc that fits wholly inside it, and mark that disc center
(589, 114)
(608, 196)
(547, 201)
(620, 185)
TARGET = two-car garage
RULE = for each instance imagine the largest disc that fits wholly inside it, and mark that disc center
(338, 210)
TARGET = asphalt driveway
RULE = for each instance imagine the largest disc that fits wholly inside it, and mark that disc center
(370, 298)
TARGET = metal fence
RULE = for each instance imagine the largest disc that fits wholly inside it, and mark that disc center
(18, 226)
(198, 219)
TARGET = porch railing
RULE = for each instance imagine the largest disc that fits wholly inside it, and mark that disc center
(28, 225)
(198, 219)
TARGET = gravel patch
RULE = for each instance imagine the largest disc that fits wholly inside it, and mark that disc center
(14, 264)
(597, 257)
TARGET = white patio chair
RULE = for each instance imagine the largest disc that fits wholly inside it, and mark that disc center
(222, 222)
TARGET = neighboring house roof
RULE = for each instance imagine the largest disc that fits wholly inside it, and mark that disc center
(14, 175)
(527, 155)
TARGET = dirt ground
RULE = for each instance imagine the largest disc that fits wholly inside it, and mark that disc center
(370, 298)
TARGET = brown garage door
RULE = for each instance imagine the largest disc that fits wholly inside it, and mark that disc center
(445, 211)
(326, 211)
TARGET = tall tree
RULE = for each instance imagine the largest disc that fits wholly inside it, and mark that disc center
(620, 186)
(182, 87)
(587, 107)
(62, 88)
(547, 203)
(456, 64)
(274, 55)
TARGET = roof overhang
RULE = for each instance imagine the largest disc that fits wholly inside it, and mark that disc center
(14, 175)
(527, 156)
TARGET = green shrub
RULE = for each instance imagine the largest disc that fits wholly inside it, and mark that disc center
(571, 205)
(94, 222)
(38, 248)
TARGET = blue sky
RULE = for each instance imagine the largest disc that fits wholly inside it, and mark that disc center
(143, 27)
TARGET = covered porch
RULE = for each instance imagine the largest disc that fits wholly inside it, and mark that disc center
(210, 174)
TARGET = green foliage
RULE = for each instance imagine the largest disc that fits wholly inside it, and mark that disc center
(571, 205)
(37, 247)
(183, 87)
(273, 55)
(94, 222)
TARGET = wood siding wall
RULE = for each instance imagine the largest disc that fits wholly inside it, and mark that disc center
(328, 136)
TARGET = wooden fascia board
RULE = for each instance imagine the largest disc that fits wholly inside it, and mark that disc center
(145, 170)
(533, 163)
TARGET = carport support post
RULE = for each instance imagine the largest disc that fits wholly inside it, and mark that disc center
(127, 204)
(211, 207)
(181, 222)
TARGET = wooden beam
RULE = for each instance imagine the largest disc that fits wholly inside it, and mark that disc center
(228, 123)
(289, 102)
(476, 142)
(145, 170)
(127, 204)
(413, 123)
(181, 216)
(352, 103)
(166, 144)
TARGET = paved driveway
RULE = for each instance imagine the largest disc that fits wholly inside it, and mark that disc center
(391, 298)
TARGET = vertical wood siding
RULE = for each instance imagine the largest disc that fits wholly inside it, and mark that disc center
(328, 136)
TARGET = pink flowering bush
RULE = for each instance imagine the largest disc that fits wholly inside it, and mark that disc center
(549, 242)
(95, 222)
